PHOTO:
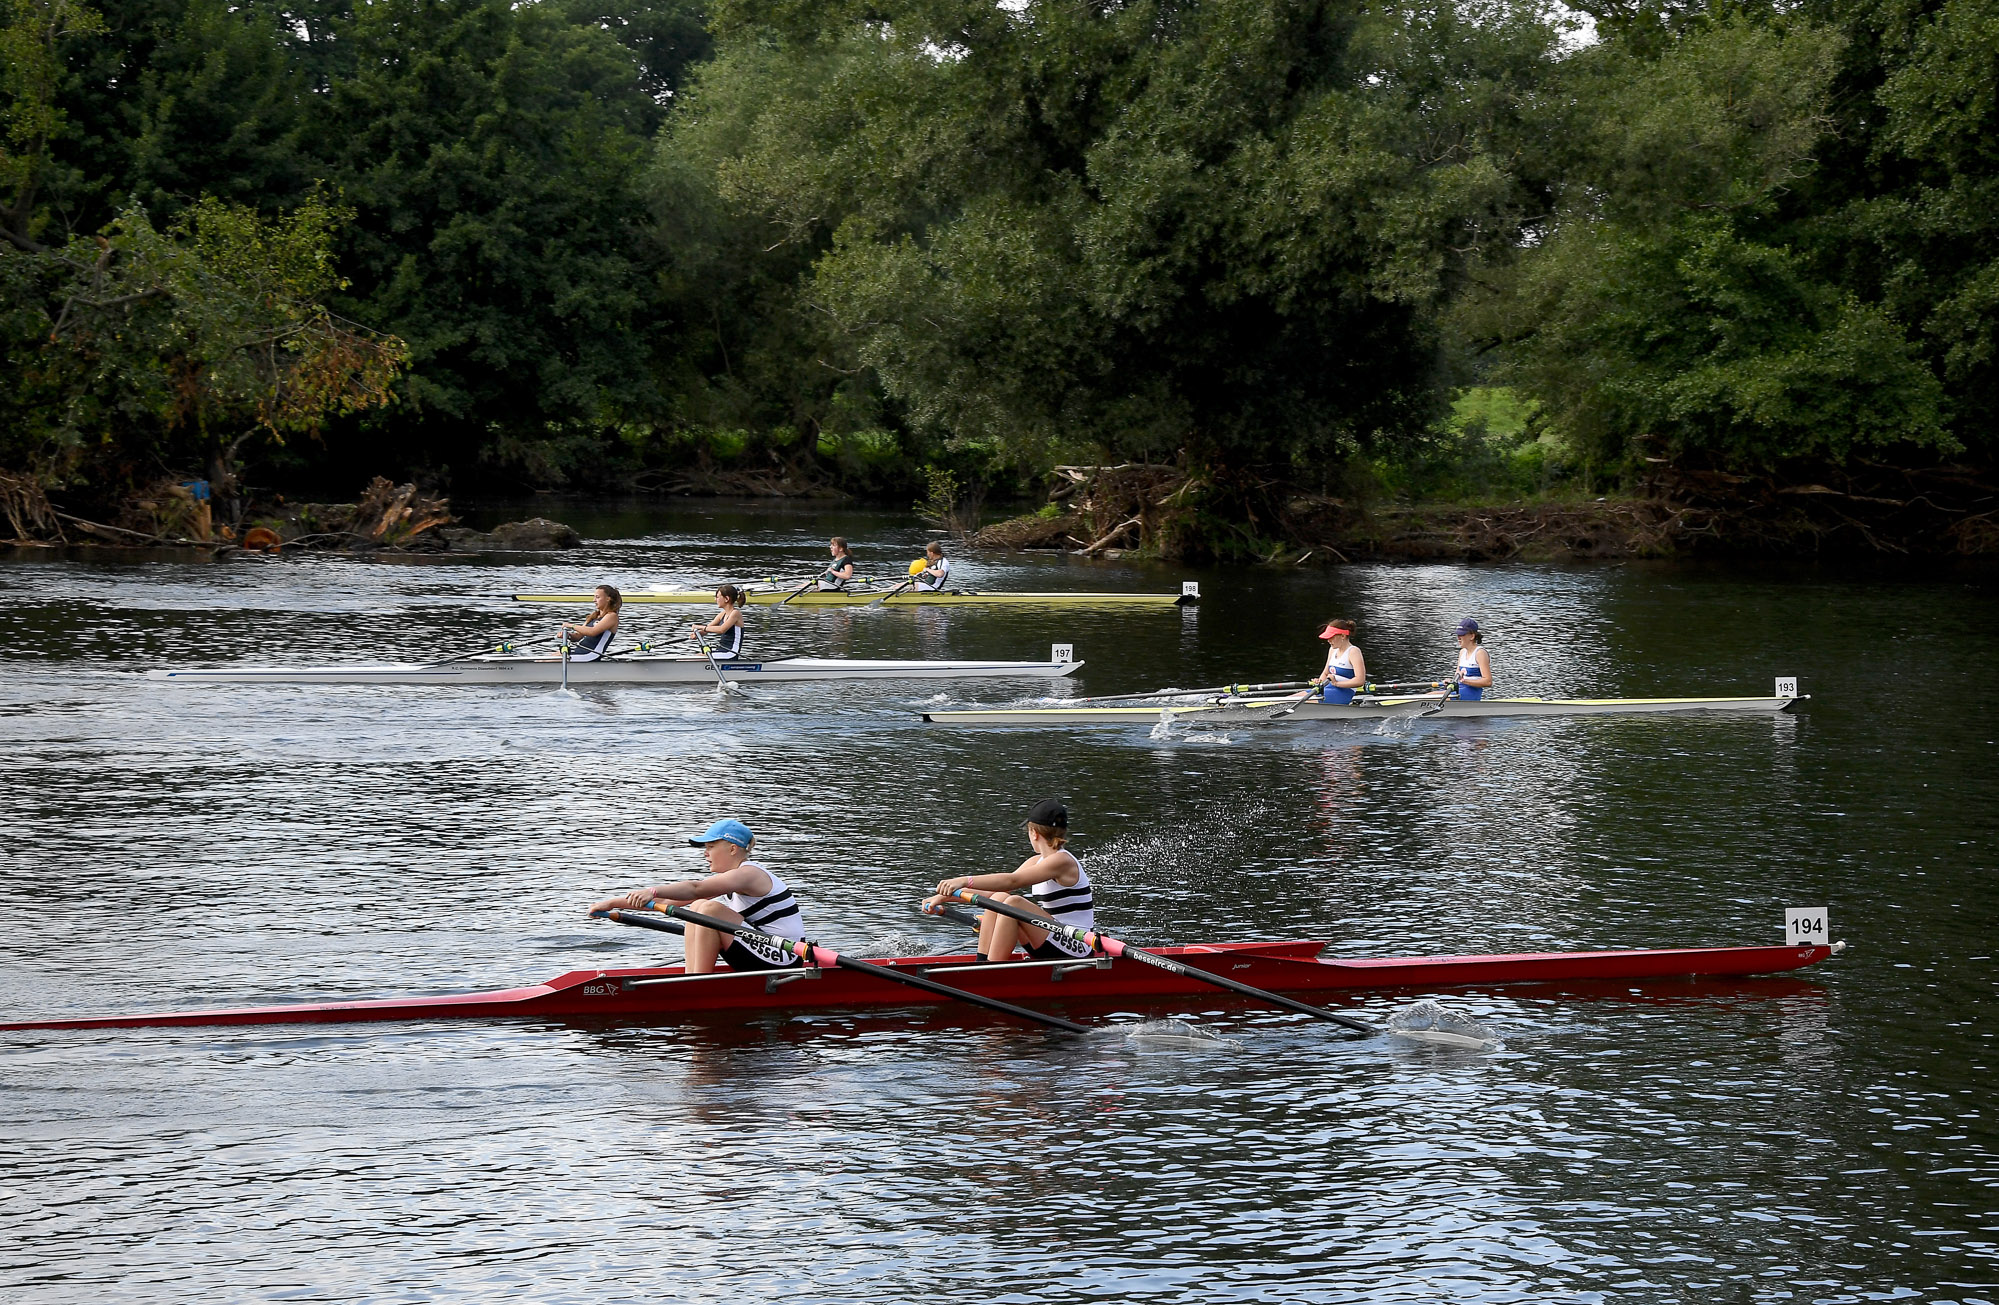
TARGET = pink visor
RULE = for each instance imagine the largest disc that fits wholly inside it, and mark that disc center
(1333, 632)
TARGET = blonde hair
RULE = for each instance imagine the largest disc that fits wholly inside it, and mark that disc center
(1055, 838)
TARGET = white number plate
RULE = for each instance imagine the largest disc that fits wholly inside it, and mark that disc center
(1062, 652)
(1787, 686)
(1805, 925)
(1190, 588)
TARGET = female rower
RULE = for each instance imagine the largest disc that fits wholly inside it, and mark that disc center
(1346, 669)
(839, 572)
(936, 572)
(592, 639)
(1474, 666)
(736, 890)
(1051, 883)
(724, 634)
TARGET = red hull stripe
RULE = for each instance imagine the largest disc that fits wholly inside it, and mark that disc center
(626, 994)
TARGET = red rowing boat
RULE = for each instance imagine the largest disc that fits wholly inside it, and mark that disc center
(1295, 967)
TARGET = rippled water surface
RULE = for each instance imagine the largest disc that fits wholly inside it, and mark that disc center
(1822, 1137)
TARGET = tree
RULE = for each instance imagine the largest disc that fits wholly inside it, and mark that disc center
(492, 152)
(1693, 296)
(159, 349)
(1224, 227)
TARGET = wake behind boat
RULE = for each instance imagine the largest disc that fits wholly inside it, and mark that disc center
(633, 668)
(1248, 708)
(1295, 967)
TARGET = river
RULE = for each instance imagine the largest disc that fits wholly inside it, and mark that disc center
(1823, 1137)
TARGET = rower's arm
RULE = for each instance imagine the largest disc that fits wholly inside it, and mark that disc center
(1359, 676)
(608, 621)
(746, 878)
(1032, 871)
(1482, 679)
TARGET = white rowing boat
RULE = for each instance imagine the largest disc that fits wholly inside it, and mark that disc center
(1230, 710)
(777, 595)
(638, 668)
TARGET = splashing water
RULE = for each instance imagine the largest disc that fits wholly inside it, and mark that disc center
(1444, 1026)
(1153, 1034)
(1164, 729)
(896, 943)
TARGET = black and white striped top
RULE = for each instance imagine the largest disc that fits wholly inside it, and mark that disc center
(776, 912)
(1073, 905)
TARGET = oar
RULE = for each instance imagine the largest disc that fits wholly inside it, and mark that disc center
(1439, 704)
(893, 592)
(817, 955)
(464, 657)
(1192, 693)
(1113, 947)
(796, 592)
(951, 913)
(716, 667)
(1293, 703)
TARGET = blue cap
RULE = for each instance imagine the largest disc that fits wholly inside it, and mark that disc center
(1467, 626)
(724, 831)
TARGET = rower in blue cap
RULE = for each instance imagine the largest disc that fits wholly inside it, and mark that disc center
(1474, 666)
(736, 890)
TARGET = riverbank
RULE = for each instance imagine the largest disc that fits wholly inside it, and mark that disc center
(1935, 512)
(180, 516)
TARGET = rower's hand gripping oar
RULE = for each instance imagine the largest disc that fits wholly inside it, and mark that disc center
(1438, 706)
(814, 954)
(1122, 951)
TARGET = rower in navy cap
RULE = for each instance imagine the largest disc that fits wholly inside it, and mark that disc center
(1474, 666)
(1051, 883)
(737, 890)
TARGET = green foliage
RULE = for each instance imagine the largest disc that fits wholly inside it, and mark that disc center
(1225, 226)
(1681, 304)
(174, 347)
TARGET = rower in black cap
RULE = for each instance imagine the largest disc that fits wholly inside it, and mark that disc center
(1051, 883)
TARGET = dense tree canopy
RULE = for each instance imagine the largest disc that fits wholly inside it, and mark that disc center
(590, 236)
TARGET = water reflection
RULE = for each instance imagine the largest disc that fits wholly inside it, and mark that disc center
(172, 846)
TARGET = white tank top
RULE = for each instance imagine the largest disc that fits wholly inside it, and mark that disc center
(931, 584)
(776, 912)
(1073, 904)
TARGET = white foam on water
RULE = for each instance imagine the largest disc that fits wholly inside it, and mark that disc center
(1170, 1034)
(1439, 1025)
(896, 943)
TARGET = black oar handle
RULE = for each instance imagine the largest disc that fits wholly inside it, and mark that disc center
(650, 922)
(1090, 938)
(951, 913)
(824, 955)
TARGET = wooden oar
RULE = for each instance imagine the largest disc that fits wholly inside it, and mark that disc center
(1122, 951)
(817, 955)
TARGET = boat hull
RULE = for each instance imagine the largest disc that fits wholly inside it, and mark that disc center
(834, 598)
(1290, 967)
(1251, 712)
(640, 669)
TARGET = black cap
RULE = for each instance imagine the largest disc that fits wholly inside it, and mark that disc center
(1049, 812)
